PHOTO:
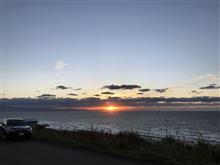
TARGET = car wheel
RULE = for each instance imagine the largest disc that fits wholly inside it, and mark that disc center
(3, 137)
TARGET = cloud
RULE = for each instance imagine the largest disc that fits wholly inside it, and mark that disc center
(195, 92)
(62, 87)
(46, 96)
(97, 95)
(72, 94)
(161, 90)
(140, 93)
(123, 87)
(107, 93)
(207, 77)
(211, 86)
(60, 65)
(144, 90)
(78, 89)
(49, 101)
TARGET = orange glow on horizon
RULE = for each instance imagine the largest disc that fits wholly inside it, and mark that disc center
(110, 108)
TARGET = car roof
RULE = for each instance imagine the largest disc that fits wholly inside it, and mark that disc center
(5, 119)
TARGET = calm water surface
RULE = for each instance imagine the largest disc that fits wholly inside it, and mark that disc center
(158, 123)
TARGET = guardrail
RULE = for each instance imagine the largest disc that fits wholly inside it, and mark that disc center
(179, 135)
(148, 133)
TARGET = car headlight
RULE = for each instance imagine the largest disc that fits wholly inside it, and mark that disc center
(29, 129)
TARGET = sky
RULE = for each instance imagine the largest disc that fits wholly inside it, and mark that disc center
(87, 45)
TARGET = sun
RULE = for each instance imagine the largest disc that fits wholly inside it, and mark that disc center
(111, 108)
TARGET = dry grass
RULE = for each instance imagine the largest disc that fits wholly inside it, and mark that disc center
(167, 151)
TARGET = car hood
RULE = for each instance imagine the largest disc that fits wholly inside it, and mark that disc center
(19, 127)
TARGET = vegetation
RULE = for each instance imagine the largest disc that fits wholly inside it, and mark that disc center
(167, 151)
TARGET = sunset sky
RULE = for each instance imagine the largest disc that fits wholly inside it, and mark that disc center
(81, 49)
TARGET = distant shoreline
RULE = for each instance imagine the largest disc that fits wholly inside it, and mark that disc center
(145, 108)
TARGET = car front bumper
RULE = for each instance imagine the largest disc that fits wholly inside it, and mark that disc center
(19, 134)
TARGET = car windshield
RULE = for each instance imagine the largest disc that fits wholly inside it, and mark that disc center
(15, 122)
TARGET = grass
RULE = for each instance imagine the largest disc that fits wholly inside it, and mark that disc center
(167, 151)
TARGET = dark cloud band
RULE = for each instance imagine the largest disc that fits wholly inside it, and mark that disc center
(121, 87)
(46, 96)
(144, 90)
(72, 94)
(107, 93)
(161, 90)
(62, 87)
(211, 86)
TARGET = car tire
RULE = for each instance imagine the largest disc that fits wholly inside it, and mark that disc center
(3, 134)
(3, 137)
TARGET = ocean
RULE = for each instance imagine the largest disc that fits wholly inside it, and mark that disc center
(188, 124)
